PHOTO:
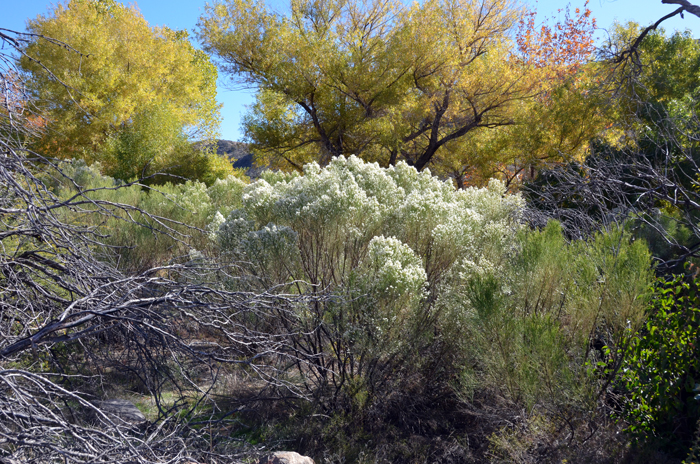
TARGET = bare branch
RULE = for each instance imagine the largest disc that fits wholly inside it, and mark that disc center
(685, 4)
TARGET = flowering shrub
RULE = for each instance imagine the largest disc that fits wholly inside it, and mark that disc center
(383, 243)
(393, 281)
(406, 293)
(393, 270)
(337, 211)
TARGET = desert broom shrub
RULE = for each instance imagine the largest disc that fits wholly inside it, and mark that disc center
(534, 328)
(186, 214)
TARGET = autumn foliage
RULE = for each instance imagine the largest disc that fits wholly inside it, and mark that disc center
(561, 48)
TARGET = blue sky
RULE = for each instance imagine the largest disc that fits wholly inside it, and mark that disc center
(183, 14)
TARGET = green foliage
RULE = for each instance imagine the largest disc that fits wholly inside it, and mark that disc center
(154, 143)
(531, 323)
(674, 65)
(661, 376)
(663, 95)
(532, 329)
(187, 214)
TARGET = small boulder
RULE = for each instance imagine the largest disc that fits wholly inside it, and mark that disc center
(285, 457)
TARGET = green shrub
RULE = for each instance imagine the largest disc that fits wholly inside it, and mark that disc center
(156, 148)
(532, 322)
(661, 376)
(171, 222)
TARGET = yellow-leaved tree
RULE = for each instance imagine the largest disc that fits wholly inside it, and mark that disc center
(132, 97)
(555, 123)
(379, 78)
(425, 82)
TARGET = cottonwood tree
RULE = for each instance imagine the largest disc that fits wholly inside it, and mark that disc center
(555, 124)
(126, 71)
(390, 82)
(378, 79)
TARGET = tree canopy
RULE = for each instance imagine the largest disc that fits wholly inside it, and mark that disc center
(388, 82)
(120, 69)
(378, 79)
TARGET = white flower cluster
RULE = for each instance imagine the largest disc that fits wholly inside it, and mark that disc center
(226, 193)
(194, 196)
(215, 225)
(394, 269)
(342, 215)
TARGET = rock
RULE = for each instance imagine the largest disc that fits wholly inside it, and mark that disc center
(122, 409)
(285, 457)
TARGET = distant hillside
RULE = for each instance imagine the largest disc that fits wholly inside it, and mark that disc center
(239, 155)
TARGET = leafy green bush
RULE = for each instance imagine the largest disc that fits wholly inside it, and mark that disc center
(530, 325)
(661, 376)
(155, 147)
